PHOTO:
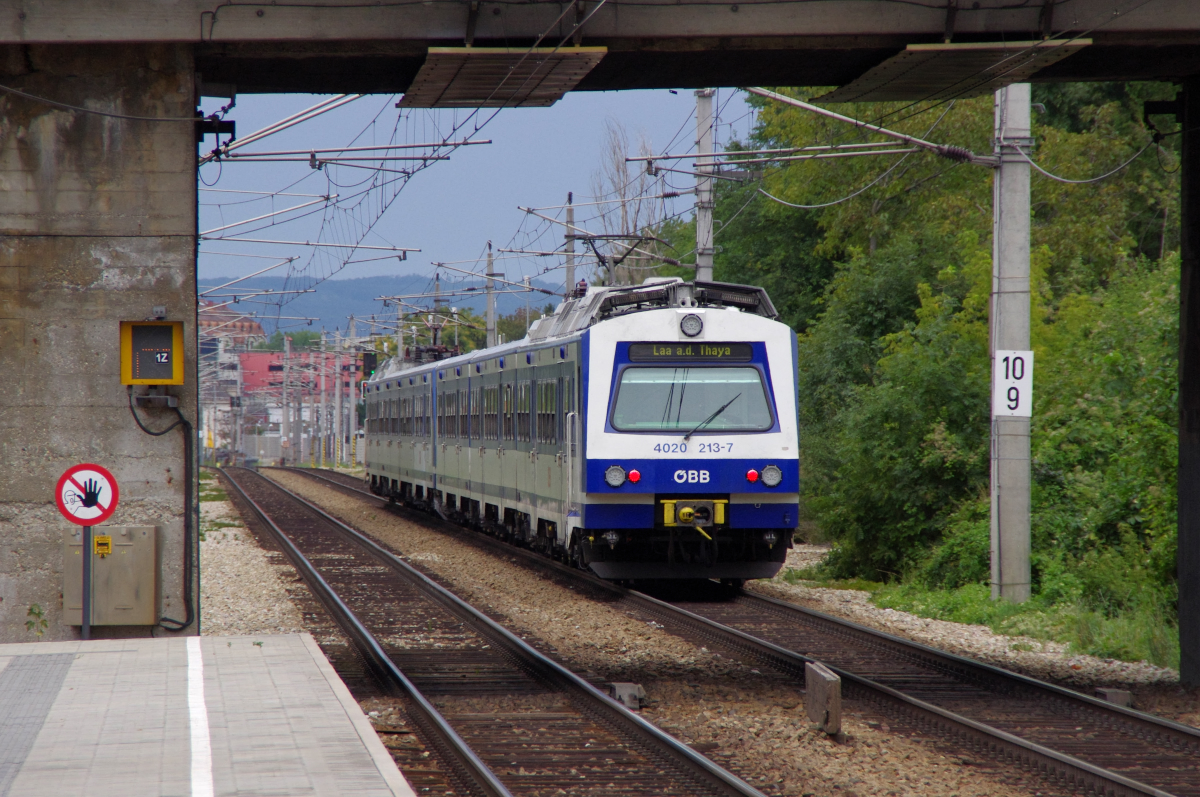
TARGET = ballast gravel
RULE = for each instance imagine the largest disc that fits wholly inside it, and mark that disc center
(1034, 657)
(751, 722)
(241, 590)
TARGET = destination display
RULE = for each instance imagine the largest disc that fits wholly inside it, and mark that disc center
(707, 352)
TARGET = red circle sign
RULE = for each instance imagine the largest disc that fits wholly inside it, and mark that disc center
(87, 495)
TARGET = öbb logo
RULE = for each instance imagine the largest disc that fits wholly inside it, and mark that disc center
(691, 477)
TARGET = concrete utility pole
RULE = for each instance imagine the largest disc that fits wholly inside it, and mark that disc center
(1010, 331)
(240, 432)
(352, 392)
(1188, 551)
(337, 402)
(285, 432)
(311, 437)
(704, 185)
(399, 332)
(324, 425)
(491, 300)
(570, 236)
(437, 308)
(298, 422)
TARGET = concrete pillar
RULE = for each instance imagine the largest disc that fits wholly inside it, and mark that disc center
(1010, 520)
(704, 185)
(97, 225)
(1188, 561)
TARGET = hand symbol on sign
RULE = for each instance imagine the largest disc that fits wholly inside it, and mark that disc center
(91, 493)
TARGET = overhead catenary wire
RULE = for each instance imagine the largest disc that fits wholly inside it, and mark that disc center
(458, 125)
(270, 215)
(448, 139)
(1104, 176)
(312, 112)
(248, 276)
(311, 243)
(869, 185)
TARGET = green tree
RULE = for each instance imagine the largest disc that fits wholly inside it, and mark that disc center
(889, 291)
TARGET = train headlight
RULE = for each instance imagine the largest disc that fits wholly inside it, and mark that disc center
(691, 325)
(770, 537)
(612, 538)
(772, 476)
(614, 476)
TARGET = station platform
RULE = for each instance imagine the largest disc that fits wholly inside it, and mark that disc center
(186, 716)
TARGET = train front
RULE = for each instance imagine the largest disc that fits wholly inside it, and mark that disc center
(691, 467)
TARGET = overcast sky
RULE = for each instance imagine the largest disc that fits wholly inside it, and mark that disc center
(450, 210)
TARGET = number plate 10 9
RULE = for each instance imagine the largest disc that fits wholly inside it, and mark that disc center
(1012, 384)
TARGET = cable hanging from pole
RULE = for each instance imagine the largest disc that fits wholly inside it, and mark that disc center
(1104, 176)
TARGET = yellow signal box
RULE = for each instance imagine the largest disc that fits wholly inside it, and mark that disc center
(151, 352)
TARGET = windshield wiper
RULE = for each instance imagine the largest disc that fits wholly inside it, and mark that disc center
(712, 417)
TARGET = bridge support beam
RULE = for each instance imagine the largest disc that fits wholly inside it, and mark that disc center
(97, 225)
(1188, 562)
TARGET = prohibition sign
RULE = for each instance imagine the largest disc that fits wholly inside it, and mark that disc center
(87, 495)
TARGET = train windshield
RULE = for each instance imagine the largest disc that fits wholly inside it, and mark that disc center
(686, 399)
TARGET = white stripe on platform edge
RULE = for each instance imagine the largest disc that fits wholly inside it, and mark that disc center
(202, 778)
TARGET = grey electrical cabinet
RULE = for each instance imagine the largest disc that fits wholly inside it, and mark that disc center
(124, 579)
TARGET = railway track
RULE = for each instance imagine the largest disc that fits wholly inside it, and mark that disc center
(502, 718)
(1076, 741)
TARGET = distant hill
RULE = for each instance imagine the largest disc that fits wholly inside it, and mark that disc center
(336, 300)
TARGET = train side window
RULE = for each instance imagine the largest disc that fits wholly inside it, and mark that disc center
(547, 411)
(523, 411)
(464, 429)
(506, 410)
(491, 412)
(477, 413)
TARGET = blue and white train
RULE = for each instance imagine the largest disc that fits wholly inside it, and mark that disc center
(644, 432)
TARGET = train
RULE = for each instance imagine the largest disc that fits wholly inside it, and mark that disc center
(640, 432)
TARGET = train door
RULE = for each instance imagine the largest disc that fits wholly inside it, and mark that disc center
(573, 451)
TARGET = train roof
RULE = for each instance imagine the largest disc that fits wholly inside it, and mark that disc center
(602, 303)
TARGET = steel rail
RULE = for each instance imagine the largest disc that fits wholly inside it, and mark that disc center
(977, 735)
(1176, 734)
(436, 728)
(542, 666)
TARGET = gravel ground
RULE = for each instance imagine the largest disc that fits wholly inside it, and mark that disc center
(241, 586)
(1156, 689)
(752, 722)
(1035, 657)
